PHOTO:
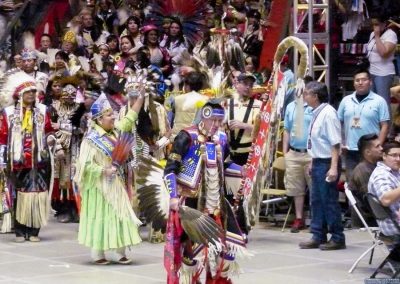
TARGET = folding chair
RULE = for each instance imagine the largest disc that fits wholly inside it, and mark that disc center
(279, 194)
(381, 213)
(372, 231)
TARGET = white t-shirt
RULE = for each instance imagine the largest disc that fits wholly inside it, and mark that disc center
(381, 66)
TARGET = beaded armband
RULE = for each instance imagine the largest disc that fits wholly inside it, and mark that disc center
(170, 183)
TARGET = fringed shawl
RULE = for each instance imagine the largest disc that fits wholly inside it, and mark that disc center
(89, 172)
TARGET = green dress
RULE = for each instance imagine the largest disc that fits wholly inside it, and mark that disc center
(107, 220)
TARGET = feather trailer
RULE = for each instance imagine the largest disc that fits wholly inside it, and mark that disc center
(154, 201)
(152, 193)
(122, 148)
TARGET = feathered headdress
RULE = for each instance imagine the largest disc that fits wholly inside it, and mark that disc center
(69, 86)
(13, 84)
(137, 82)
(192, 14)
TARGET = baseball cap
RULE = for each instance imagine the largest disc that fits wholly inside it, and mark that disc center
(247, 75)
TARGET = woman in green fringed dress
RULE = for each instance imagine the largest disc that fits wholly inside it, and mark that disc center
(107, 221)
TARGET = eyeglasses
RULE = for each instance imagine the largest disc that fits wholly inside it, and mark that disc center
(396, 156)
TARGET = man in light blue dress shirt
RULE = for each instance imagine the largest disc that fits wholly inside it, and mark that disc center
(323, 145)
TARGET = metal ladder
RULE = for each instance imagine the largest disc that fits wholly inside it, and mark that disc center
(319, 61)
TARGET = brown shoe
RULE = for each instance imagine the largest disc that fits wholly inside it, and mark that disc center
(331, 245)
(102, 261)
(124, 260)
(311, 244)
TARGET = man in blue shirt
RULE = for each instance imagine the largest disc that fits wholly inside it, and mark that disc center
(323, 145)
(362, 112)
(297, 160)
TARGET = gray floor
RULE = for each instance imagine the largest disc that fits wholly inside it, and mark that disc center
(59, 259)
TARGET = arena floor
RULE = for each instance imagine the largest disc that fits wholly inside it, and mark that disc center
(59, 259)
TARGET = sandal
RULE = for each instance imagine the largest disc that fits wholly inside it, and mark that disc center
(102, 261)
(124, 260)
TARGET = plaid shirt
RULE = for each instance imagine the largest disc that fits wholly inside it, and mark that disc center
(384, 179)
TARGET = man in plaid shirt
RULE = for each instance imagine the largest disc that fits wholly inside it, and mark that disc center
(385, 184)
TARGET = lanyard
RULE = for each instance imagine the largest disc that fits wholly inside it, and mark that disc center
(360, 112)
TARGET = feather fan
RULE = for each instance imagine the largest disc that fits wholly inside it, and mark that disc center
(122, 148)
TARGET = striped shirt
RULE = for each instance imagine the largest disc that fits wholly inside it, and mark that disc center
(324, 132)
(384, 179)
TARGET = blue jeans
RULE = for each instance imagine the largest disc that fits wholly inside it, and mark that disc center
(381, 85)
(325, 208)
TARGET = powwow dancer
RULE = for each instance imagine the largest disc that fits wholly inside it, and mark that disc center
(107, 220)
(66, 119)
(151, 131)
(209, 237)
(25, 129)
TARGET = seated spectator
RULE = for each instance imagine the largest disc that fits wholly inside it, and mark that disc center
(45, 42)
(253, 37)
(252, 64)
(106, 18)
(132, 29)
(158, 56)
(113, 43)
(88, 33)
(176, 42)
(371, 152)
(384, 183)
